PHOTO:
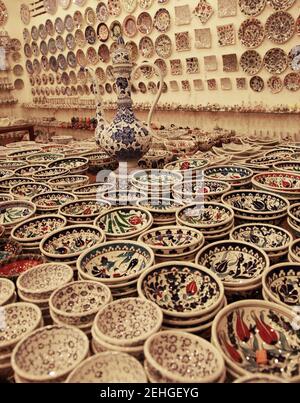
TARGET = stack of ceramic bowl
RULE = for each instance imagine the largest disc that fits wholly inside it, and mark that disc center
(66, 244)
(163, 210)
(7, 183)
(124, 222)
(76, 165)
(118, 264)
(173, 357)
(7, 292)
(77, 303)
(200, 190)
(91, 191)
(115, 367)
(30, 232)
(25, 191)
(294, 218)
(124, 326)
(44, 158)
(83, 211)
(14, 212)
(294, 251)
(214, 220)
(50, 202)
(100, 161)
(239, 265)
(31, 361)
(188, 294)
(29, 170)
(122, 197)
(256, 337)
(275, 241)
(37, 284)
(22, 154)
(17, 320)
(287, 166)
(49, 173)
(237, 177)
(68, 182)
(256, 206)
(281, 285)
(173, 242)
(13, 266)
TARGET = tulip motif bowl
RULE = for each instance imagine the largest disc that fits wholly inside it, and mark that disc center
(155, 180)
(286, 184)
(91, 191)
(25, 191)
(258, 337)
(14, 212)
(7, 183)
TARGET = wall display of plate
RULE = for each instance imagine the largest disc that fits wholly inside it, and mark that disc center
(92, 56)
(163, 46)
(69, 23)
(257, 84)
(144, 23)
(275, 61)
(115, 30)
(80, 38)
(49, 27)
(78, 19)
(60, 43)
(146, 47)
(90, 16)
(252, 7)
(162, 20)
(114, 8)
(59, 26)
(292, 81)
(70, 42)
(129, 26)
(102, 12)
(281, 5)
(52, 46)
(81, 58)
(103, 32)
(133, 50)
(251, 33)
(27, 50)
(251, 62)
(24, 13)
(280, 27)
(34, 33)
(26, 35)
(19, 84)
(42, 32)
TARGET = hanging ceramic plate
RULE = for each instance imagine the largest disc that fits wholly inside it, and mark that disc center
(45, 63)
(78, 19)
(252, 7)
(34, 33)
(251, 33)
(102, 32)
(29, 67)
(60, 43)
(257, 84)
(102, 12)
(71, 59)
(163, 46)
(275, 84)
(275, 61)
(294, 54)
(79, 3)
(114, 7)
(44, 48)
(72, 76)
(145, 3)
(65, 4)
(129, 5)
(280, 27)
(42, 31)
(70, 42)
(18, 70)
(52, 46)
(35, 49)
(133, 50)
(115, 30)
(162, 20)
(162, 65)
(81, 59)
(19, 84)
(110, 73)
(69, 23)
(281, 5)
(50, 27)
(103, 53)
(58, 78)
(251, 62)
(59, 25)
(44, 79)
(292, 81)
(38, 80)
(90, 35)
(80, 38)
(26, 35)
(90, 16)
(108, 88)
(25, 14)
(53, 64)
(129, 26)
(65, 79)
(146, 47)
(51, 79)
(92, 56)
(16, 57)
(51, 6)
(100, 74)
(27, 50)
(144, 23)
(36, 66)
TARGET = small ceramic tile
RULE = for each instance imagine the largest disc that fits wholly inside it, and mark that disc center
(241, 83)
(210, 63)
(226, 84)
(198, 85)
(227, 8)
(183, 42)
(212, 84)
(185, 84)
(192, 65)
(174, 85)
(230, 63)
(203, 38)
(226, 34)
(203, 11)
(176, 67)
(183, 15)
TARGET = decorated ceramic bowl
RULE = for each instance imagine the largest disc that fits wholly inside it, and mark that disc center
(14, 212)
(155, 180)
(49, 173)
(285, 183)
(281, 284)
(35, 229)
(9, 248)
(29, 170)
(287, 166)
(73, 164)
(128, 321)
(115, 261)
(44, 158)
(71, 241)
(25, 191)
(84, 210)
(162, 209)
(69, 346)
(13, 266)
(181, 289)
(184, 357)
(200, 190)
(22, 154)
(231, 174)
(172, 240)
(84, 192)
(294, 213)
(5, 197)
(7, 183)
(258, 337)
(18, 319)
(68, 182)
(52, 201)
(42, 280)
(109, 367)
(12, 164)
(6, 173)
(187, 165)
(123, 197)
(78, 302)
(7, 291)
(294, 251)
(124, 222)
(259, 378)
(235, 263)
(280, 153)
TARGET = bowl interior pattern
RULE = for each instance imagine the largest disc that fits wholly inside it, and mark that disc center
(284, 284)
(206, 214)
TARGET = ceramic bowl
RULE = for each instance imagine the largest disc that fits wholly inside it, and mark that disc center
(77, 303)
(257, 337)
(287, 166)
(162, 209)
(18, 319)
(155, 180)
(71, 241)
(7, 183)
(190, 191)
(294, 213)
(181, 289)
(283, 183)
(22, 154)
(294, 226)
(234, 175)
(9, 248)
(7, 291)
(259, 378)
(123, 197)
(187, 165)
(44, 158)
(236, 263)
(115, 262)
(172, 240)
(35, 229)
(68, 182)
(281, 284)
(74, 164)
(294, 251)
(124, 222)
(84, 210)
(13, 266)
(128, 322)
(40, 281)
(109, 367)
(29, 170)
(184, 357)
(91, 191)
(49, 173)
(14, 212)
(69, 346)
(52, 201)
(5, 197)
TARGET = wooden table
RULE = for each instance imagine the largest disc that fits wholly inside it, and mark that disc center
(18, 128)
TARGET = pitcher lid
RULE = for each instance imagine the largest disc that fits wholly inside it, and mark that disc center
(121, 55)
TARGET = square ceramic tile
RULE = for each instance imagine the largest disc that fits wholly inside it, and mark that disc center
(226, 84)
(203, 11)
(183, 42)
(241, 83)
(174, 85)
(210, 63)
(183, 15)
(212, 84)
(176, 67)
(192, 65)
(226, 35)
(198, 85)
(230, 63)
(202, 38)
(227, 8)
(185, 84)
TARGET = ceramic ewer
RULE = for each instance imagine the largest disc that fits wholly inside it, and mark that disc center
(49, 173)
(234, 175)
(26, 190)
(83, 211)
(162, 209)
(115, 368)
(30, 358)
(190, 191)
(124, 222)
(52, 201)
(7, 293)
(71, 241)
(177, 356)
(75, 165)
(68, 182)
(256, 336)
(281, 284)
(13, 266)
